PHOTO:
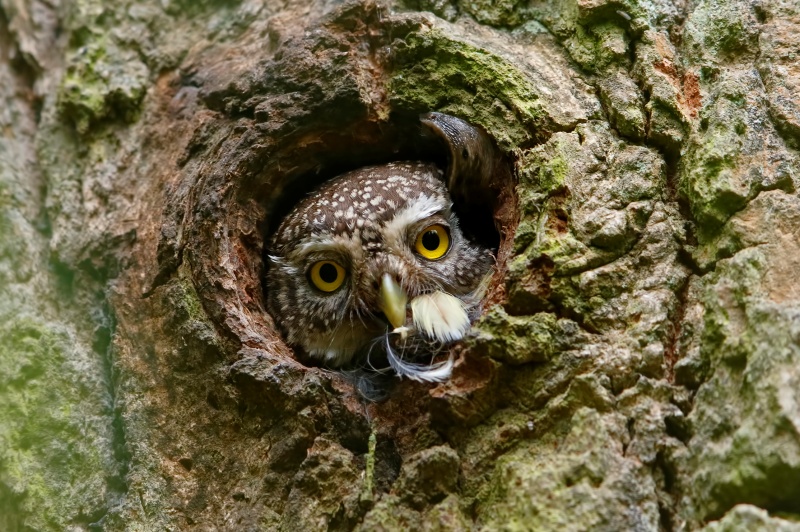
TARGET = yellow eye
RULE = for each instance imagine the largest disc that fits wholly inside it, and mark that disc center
(433, 242)
(326, 275)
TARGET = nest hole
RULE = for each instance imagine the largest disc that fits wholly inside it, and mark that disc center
(307, 162)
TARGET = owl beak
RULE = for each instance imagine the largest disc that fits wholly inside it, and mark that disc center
(392, 300)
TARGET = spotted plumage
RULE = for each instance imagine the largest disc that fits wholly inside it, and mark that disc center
(372, 270)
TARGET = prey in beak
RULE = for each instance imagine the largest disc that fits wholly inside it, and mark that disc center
(436, 318)
(438, 315)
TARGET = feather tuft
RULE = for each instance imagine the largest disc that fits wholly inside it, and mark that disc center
(440, 316)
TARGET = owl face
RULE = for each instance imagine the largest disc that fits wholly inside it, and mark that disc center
(375, 260)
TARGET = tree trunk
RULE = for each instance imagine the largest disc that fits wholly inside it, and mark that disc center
(637, 366)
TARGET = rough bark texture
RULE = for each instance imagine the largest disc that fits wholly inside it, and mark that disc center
(638, 364)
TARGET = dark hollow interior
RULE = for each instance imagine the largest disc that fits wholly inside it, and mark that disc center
(336, 153)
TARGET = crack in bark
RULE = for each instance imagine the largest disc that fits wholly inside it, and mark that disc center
(104, 345)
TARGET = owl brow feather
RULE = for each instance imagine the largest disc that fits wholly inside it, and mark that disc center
(426, 286)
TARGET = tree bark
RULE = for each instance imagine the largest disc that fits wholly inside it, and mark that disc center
(637, 366)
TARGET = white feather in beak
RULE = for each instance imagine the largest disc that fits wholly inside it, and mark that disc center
(440, 316)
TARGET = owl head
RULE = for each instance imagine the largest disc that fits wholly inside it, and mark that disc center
(373, 266)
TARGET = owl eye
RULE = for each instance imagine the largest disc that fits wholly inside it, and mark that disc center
(433, 242)
(326, 275)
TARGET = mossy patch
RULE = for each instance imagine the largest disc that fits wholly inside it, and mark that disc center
(516, 340)
(428, 477)
(446, 9)
(9, 242)
(54, 433)
(712, 184)
(201, 343)
(194, 8)
(581, 482)
(749, 517)
(433, 71)
(738, 454)
(547, 174)
(502, 13)
(624, 103)
(568, 215)
(735, 154)
(720, 30)
(597, 47)
(103, 81)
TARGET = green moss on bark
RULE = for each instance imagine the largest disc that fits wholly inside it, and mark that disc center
(103, 82)
(582, 482)
(433, 71)
(738, 453)
(726, 161)
(502, 13)
(54, 437)
(516, 340)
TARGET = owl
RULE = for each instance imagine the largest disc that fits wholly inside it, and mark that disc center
(372, 271)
